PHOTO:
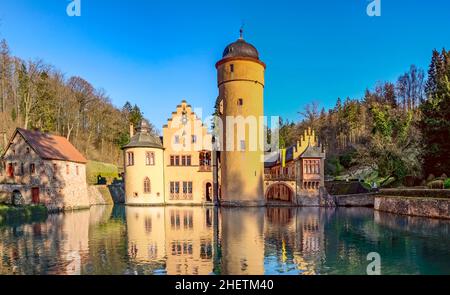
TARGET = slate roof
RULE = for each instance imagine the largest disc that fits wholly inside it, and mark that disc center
(144, 138)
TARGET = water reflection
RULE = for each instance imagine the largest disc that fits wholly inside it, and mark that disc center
(194, 240)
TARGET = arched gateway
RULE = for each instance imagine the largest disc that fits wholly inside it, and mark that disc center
(280, 192)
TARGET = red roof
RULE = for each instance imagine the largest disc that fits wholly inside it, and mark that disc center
(51, 147)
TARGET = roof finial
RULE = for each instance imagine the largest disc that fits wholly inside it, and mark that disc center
(241, 32)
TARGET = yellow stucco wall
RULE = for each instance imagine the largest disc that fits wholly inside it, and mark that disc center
(135, 175)
(241, 171)
(199, 176)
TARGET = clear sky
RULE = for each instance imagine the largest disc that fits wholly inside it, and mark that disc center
(156, 53)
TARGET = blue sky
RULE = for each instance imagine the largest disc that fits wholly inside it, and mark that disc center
(156, 53)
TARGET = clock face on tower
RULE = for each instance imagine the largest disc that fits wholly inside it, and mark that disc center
(184, 119)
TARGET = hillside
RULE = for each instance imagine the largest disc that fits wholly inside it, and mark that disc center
(36, 95)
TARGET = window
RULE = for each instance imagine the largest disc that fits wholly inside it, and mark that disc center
(172, 187)
(177, 160)
(22, 169)
(183, 160)
(242, 145)
(172, 161)
(130, 158)
(28, 150)
(149, 158)
(188, 161)
(232, 68)
(240, 102)
(32, 169)
(67, 169)
(55, 169)
(77, 170)
(194, 138)
(147, 186)
(187, 187)
(177, 187)
(177, 139)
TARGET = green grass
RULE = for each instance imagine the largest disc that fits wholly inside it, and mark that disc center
(22, 214)
(447, 183)
(108, 171)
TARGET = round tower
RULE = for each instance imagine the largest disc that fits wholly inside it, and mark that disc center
(144, 168)
(241, 105)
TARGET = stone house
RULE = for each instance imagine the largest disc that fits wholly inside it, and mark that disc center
(40, 168)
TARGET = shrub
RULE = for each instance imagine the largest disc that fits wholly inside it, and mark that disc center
(106, 171)
(447, 183)
(436, 184)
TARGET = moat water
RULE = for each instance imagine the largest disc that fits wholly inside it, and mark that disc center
(194, 240)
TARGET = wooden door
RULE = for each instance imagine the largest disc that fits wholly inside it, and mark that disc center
(35, 195)
(10, 170)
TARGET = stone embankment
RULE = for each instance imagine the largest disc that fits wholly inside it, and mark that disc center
(415, 202)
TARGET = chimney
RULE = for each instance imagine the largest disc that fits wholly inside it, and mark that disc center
(131, 130)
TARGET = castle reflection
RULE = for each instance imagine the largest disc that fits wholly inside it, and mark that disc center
(240, 241)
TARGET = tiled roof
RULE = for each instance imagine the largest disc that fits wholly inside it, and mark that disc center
(51, 147)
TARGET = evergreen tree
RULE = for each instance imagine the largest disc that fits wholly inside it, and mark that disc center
(435, 120)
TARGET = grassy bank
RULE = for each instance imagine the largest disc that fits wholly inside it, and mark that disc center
(105, 170)
(22, 214)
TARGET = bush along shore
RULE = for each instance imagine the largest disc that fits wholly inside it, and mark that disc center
(22, 214)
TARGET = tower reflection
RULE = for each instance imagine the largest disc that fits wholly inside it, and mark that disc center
(182, 238)
(242, 241)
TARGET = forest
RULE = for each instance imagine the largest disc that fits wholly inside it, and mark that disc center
(36, 95)
(397, 134)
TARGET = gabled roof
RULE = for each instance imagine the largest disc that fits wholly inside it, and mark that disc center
(50, 147)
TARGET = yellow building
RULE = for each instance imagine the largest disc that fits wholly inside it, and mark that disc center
(241, 89)
(187, 156)
(144, 168)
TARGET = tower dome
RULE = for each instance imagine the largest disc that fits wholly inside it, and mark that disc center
(240, 48)
(144, 137)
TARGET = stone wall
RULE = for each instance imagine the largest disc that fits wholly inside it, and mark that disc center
(422, 193)
(426, 207)
(99, 195)
(359, 200)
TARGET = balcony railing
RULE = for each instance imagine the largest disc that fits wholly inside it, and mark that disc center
(270, 177)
